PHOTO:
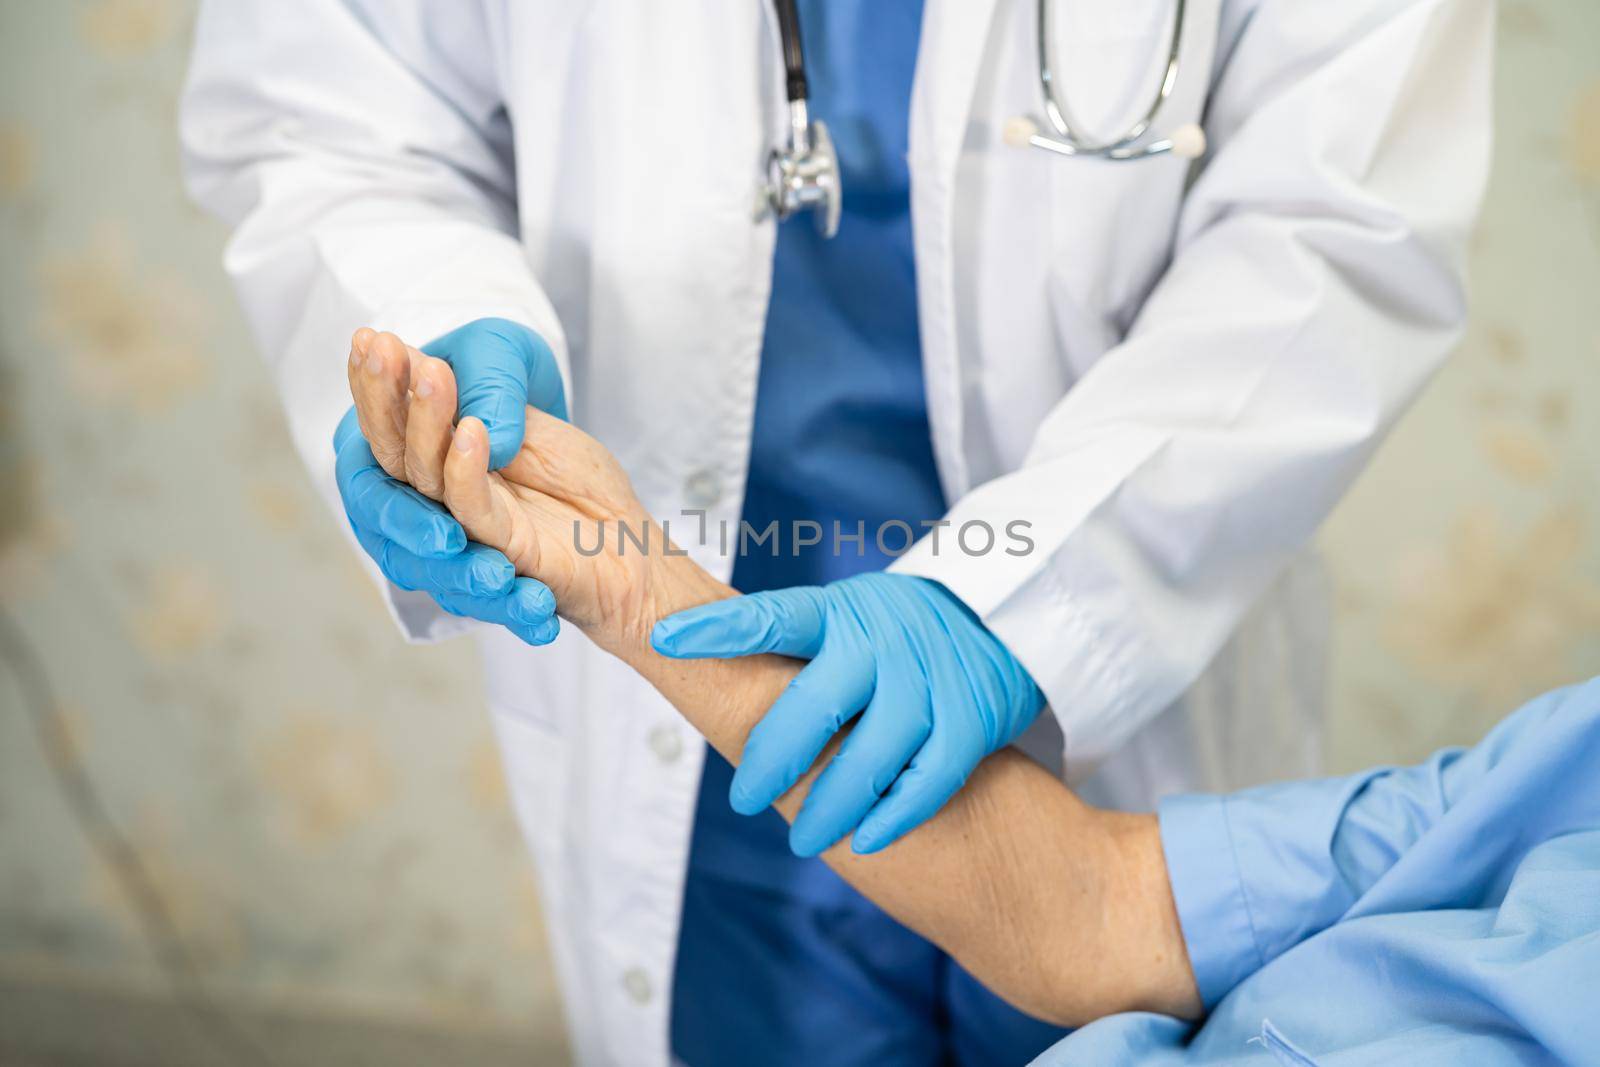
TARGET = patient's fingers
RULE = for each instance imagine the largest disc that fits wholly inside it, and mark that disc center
(482, 511)
(428, 424)
(380, 371)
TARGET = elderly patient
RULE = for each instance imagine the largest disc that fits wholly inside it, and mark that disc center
(1446, 913)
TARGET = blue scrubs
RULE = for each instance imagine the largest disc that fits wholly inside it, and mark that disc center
(1442, 914)
(779, 960)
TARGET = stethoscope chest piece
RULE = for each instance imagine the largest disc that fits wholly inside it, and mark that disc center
(804, 174)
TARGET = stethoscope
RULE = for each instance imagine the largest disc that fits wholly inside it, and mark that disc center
(1186, 142)
(803, 173)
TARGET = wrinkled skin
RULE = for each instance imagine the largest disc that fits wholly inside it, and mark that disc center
(561, 489)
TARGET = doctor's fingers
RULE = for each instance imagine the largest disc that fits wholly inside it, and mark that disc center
(891, 730)
(790, 622)
(377, 504)
(429, 425)
(936, 773)
(528, 610)
(786, 742)
(955, 745)
(477, 571)
(501, 367)
(380, 373)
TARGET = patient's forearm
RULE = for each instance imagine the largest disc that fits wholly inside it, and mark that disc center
(1062, 909)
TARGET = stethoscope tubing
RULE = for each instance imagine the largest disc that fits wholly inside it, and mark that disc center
(803, 173)
(1058, 113)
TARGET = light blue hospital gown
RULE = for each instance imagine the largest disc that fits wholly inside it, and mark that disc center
(1447, 913)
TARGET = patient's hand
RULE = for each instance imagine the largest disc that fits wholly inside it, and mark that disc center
(563, 490)
(1015, 877)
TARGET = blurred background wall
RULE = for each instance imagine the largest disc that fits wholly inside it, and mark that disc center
(286, 808)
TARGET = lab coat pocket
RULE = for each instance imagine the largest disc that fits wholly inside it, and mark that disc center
(1108, 61)
(537, 686)
(535, 765)
(530, 693)
(1115, 221)
(1114, 226)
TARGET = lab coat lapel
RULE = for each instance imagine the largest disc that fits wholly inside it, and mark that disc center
(954, 35)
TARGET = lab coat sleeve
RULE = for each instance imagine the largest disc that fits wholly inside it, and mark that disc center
(1255, 873)
(1316, 284)
(361, 152)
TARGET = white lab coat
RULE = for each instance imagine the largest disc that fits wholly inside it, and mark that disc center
(1171, 375)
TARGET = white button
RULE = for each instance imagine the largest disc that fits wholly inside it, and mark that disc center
(666, 742)
(636, 984)
(703, 488)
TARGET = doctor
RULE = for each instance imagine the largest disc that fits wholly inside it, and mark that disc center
(1167, 372)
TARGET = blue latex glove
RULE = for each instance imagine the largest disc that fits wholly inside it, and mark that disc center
(500, 367)
(940, 693)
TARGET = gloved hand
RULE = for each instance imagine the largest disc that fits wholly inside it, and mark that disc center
(499, 368)
(940, 693)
